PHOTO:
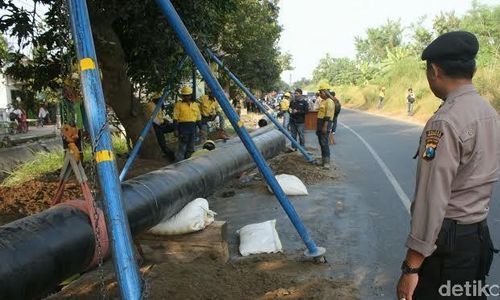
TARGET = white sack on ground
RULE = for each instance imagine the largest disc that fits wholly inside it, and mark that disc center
(194, 216)
(259, 238)
(291, 185)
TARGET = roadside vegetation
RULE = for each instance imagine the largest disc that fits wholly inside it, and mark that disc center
(50, 162)
(389, 56)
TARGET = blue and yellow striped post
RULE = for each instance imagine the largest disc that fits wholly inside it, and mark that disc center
(95, 107)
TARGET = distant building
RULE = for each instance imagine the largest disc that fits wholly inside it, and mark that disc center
(7, 95)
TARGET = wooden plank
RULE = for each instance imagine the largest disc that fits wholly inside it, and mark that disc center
(215, 232)
(210, 242)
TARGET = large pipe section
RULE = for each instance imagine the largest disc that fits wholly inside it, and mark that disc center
(40, 251)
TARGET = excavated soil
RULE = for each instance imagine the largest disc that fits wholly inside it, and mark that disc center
(34, 196)
(259, 277)
(295, 164)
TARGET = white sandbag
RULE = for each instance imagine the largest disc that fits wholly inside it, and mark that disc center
(195, 216)
(291, 185)
(259, 238)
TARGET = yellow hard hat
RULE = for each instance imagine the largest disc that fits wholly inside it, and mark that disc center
(324, 86)
(186, 90)
(287, 94)
(209, 145)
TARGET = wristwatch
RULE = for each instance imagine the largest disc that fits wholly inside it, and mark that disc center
(406, 269)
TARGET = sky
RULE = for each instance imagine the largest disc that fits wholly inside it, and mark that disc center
(313, 28)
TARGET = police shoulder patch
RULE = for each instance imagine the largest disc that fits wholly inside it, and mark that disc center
(432, 138)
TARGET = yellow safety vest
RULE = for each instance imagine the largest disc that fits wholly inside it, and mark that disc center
(284, 105)
(150, 107)
(208, 107)
(326, 109)
(187, 112)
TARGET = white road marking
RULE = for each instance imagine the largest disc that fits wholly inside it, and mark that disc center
(395, 184)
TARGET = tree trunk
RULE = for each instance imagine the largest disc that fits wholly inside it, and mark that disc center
(117, 87)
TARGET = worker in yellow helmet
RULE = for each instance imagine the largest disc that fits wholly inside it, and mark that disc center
(207, 147)
(324, 124)
(210, 110)
(160, 126)
(284, 109)
(186, 118)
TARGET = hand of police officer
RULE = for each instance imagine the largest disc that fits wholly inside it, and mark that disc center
(406, 286)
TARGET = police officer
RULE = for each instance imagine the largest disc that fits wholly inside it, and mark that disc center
(459, 161)
(186, 117)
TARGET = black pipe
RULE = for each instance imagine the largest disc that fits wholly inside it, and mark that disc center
(40, 251)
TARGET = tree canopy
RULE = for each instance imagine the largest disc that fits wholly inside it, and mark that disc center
(384, 47)
(136, 48)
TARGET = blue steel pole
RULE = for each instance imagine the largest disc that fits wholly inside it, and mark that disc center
(193, 78)
(149, 124)
(95, 107)
(260, 106)
(192, 50)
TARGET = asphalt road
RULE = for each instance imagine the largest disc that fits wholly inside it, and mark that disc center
(376, 153)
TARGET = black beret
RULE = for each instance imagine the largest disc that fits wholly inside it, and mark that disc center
(455, 45)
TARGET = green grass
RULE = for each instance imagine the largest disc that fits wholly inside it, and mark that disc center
(49, 162)
(42, 163)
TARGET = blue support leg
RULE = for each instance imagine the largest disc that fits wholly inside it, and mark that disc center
(192, 50)
(193, 78)
(233, 77)
(116, 219)
(149, 124)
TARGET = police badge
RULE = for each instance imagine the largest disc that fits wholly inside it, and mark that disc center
(431, 142)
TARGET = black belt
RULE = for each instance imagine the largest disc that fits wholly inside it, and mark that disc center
(466, 229)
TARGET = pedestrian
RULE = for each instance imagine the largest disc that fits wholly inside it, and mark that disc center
(42, 116)
(381, 96)
(161, 126)
(458, 164)
(410, 99)
(338, 107)
(21, 117)
(187, 118)
(324, 124)
(298, 110)
(284, 109)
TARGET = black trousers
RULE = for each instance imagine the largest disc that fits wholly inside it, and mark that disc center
(323, 139)
(463, 258)
(160, 137)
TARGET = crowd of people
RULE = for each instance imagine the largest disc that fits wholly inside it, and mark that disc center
(192, 120)
(18, 117)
